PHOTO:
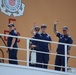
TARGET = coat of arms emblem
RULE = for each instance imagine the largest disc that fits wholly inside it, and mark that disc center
(12, 7)
(12, 2)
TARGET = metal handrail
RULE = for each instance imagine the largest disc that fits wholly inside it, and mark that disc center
(1, 49)
(28, 39)
(22, 49)
(25, 38)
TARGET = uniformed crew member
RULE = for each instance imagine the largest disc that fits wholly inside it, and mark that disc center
(43, 46)
(12, 43)
(33, 45)
(63, 38)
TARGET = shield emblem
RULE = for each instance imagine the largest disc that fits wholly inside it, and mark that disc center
(12, 2)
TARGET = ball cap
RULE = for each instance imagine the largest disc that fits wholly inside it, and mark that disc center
(37, 28)
(65, 28)
(43, 26)
(11, 25)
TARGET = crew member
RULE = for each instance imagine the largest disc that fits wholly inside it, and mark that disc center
(12, 43)
(33, 47)
(43, 47)
(63, 38)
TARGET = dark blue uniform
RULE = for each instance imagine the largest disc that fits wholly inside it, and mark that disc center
(42, 46)
(13, 52)
(60, 60)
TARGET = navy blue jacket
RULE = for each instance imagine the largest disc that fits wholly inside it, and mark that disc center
(42, 46)
(9, 41)
(33, 42)
(63, 39)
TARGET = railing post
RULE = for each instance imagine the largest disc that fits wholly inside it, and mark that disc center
(65, 58)
(28, 52)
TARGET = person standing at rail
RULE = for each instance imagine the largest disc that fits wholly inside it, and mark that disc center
(12, 43)
(63, 38)
(43, 47)
(33, 47)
